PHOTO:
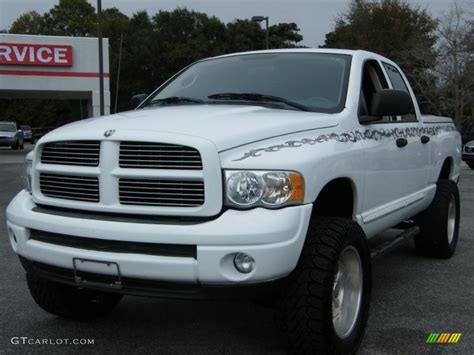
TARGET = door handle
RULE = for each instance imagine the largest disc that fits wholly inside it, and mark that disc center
(425, 139)
(401, 142)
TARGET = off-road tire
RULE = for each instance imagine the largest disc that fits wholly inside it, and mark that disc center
(433, 238)
(304, 313)
(70, 302)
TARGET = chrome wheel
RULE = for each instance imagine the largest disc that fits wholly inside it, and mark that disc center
(451, 219)
(347, 292)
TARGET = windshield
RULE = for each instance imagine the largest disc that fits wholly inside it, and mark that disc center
(315, 81)
(7, 127)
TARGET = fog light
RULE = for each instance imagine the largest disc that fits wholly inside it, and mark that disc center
(244, 263)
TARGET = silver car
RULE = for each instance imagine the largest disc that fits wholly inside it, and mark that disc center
(11, 135)
(28, 134)
(468, 154)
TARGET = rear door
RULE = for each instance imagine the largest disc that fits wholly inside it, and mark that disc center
(397, 161)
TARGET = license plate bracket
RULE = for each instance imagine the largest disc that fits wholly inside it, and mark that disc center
(97, 273)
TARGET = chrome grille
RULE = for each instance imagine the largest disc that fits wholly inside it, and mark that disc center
(80, 188)
(145, 155)
(177, 193)
(84, 153)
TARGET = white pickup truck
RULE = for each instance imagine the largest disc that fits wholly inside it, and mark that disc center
(264, 174)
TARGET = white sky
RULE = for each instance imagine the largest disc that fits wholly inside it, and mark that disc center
(314, 17)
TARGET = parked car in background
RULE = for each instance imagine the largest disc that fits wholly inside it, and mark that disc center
(11, 135)
(467, 135)
(28, 134)
(468, 154)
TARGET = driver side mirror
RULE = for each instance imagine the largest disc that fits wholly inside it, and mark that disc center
(137, 100)
(390, 102)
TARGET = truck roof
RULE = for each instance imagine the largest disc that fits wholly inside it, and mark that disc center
(351, 52)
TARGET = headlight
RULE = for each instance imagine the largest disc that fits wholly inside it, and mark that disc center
(27, 172)
(247, 188)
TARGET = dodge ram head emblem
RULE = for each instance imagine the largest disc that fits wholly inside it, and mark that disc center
(109, 132)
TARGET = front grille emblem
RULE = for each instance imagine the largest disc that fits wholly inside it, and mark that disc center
(109, 132)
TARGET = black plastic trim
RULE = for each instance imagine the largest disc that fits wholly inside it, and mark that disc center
(121, 217)
(161, 289)
(115, 246)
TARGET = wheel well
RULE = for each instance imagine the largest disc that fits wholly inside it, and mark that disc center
(445, 172)
(336, 199)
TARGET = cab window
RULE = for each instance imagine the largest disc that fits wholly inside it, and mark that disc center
(398, 83)
(373, 81)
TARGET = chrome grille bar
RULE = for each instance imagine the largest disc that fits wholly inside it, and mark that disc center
(178, 193)
(82, 153)
(146, 155)
(79, 188)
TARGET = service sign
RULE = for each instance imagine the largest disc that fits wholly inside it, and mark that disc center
(52, 55)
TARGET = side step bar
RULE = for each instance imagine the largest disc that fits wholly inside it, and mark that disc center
(393, 243)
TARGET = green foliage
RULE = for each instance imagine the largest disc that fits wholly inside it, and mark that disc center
(28, 23)
(70, 18)
(243, 35)
(388, 27)
(154, 48)
(396, 30)
(285, 35)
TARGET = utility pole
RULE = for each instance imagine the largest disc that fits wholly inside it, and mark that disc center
(101, 58)
(260, 19)
(118, 73)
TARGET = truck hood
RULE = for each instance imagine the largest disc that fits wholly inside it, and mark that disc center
(226, 126)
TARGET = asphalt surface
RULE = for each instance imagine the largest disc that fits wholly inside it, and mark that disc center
(412, 297)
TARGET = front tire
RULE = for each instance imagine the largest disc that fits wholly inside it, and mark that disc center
(325, 307)
(439, 223)
(70, 302)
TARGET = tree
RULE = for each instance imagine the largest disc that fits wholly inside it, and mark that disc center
(139, 48)
(284, 35)
(28, 23)
(115, 26)
(244, 35)
(70, 18)
(394, 29)
(154, 47)
(455, 68)
(186, 36)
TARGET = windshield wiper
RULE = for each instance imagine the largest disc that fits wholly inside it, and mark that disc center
(175, 100)
(258, 98)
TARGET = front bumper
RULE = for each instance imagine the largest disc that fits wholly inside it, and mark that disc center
(6, 142)
(274, 238)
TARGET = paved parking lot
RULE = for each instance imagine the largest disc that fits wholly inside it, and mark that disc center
(412, 296)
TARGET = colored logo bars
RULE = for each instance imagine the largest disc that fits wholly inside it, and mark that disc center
(443, 338)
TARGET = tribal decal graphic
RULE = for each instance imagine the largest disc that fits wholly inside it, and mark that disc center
(352, 137)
